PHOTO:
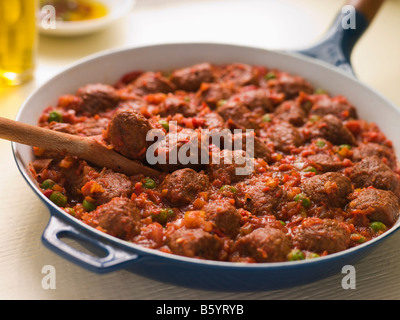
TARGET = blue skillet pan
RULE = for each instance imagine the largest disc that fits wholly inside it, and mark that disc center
(327, 65)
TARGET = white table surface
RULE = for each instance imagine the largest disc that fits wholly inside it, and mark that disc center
(286, 24)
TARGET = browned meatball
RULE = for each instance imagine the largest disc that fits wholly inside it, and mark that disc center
(239, 74)
(264, 245)
(291, 112)
(112, 184)
(332, 129)
(191, 78)
(290, 85)
(214, 93)
(151, 82)
(183, 186)
(325, 162)
(260, 195)
(331, 189)
(183, 149)
(284, 136)
(96, 98)
(177, 104)
(238, 115)
(337, 106)
(213, 121)
(229, 166)
(371, 171)
(195, 243)
(127, 132)
(256, 100)
(225, 216)
(257, 147)
(380, 205)
(385, 153)
(319, 235)
(118, 217)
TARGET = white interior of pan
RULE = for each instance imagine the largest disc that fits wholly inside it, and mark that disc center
(110, 66)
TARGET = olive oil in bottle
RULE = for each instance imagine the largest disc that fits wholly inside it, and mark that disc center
(18, 41)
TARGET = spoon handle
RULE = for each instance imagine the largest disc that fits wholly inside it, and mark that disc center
(88, 148)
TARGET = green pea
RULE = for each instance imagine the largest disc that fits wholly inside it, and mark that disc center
(88, 206)
(310, 169)
(149, 183)
(163, 215)
(55, 116)
(348, 147)
(228, 188)
(270, 75)
(320, 91)
(164, 124)
(47, 184)
(58, 199)
(221, 102)
(266, 118)
(358, 238)
(295, 254)
(312, 255)
(305, 202)
(320, 143)
(377, 226)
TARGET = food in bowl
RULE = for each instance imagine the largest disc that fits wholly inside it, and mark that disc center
(76, 10)
(295, 175)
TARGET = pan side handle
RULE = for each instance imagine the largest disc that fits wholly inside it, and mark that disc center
(347, 28)
(101, 257)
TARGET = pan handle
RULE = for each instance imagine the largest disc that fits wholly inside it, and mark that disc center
(103, 257)
(347, 28)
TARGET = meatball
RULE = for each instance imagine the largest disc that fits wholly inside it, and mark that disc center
(260, 195)
(183, 186)
(290, 85)
(118, 217)
(225, 216)
(331, 189)
(319, 235)
(213, 120)
(106, 185)
(371, 171)
(213, 93)
(264, 245)
(183, 149)
(96, 98)
(256, 100)
(332, 129)
(325, 162)
(151, 82)
(337, 106)
(284, 136)
(176, 104)
(127, 133)
(374, 149)
(380, 205)
(258, 148)
(291, 112)
(239, 115)
(191, 78)
(230, 166)
(239, 74)
(194, 243)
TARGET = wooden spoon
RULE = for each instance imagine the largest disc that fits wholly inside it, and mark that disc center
(88, 148)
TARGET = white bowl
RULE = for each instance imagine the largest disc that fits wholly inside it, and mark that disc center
(116, 10)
